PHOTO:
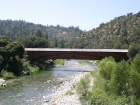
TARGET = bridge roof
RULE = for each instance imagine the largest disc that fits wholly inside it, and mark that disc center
(76, 50)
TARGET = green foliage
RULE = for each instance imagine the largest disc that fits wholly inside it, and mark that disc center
(33, 70)
(10, 56)
(55, 43)
(4, 41)
(59, 62)
(16, 29)
(1, 62)
(106, 66)
(113, 83)
(35, 42)
(92, 73)
(135, 76)
(28, 68)
(69, 92)
(39, 33)
(82, 63)
(11, 63)
(99, 99)
(138, 101)
(135, 65)
(7, 75)
(119, 33)
(133, 51)
(82, 86)
(38, 40)
(119, 79)
(100, 82)
(121, 101)
(62, 45)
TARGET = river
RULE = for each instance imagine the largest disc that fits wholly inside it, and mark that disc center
(32, 90)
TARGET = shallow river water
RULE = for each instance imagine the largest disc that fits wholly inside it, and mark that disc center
(32, 90)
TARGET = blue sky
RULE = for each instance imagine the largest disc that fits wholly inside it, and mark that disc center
(86, 14)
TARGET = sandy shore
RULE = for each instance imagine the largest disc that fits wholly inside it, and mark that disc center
(59, 97)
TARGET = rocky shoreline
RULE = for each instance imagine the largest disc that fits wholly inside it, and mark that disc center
(2, 83)
(59, 97)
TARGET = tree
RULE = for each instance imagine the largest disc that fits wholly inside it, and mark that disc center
(46, 36)
(62, 45)
(4, 41)
(36, 42)
(39, 33)
(55, 43)
(133, 51)
(11, 54)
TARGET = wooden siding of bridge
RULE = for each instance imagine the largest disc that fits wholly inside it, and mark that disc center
(85, 54)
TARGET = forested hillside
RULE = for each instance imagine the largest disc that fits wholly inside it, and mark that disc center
(120, 33)
(15, 29)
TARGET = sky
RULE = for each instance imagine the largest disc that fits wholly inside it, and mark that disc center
(87, 14)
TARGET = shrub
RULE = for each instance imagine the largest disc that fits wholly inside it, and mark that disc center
(135, 76)
(136, 64)
(82, 63)
(99, 97)
(119, 80)
(7, 75)
(69, 92)
(133, 51)
(28, 67)
(138, 101)
(106, 67)
(82, 86)
(33, 70)
(59, 62)
(121, 101)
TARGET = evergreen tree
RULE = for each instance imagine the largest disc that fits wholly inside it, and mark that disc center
(39, 33)
(55, 43)
(62, 45)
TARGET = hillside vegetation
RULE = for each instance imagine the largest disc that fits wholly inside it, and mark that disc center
(56, 34)
(120, 33)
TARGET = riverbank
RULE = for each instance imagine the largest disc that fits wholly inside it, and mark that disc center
(2, 83)
(53, 86)
(66, 94)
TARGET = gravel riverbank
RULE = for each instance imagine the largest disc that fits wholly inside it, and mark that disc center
(59, 97)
